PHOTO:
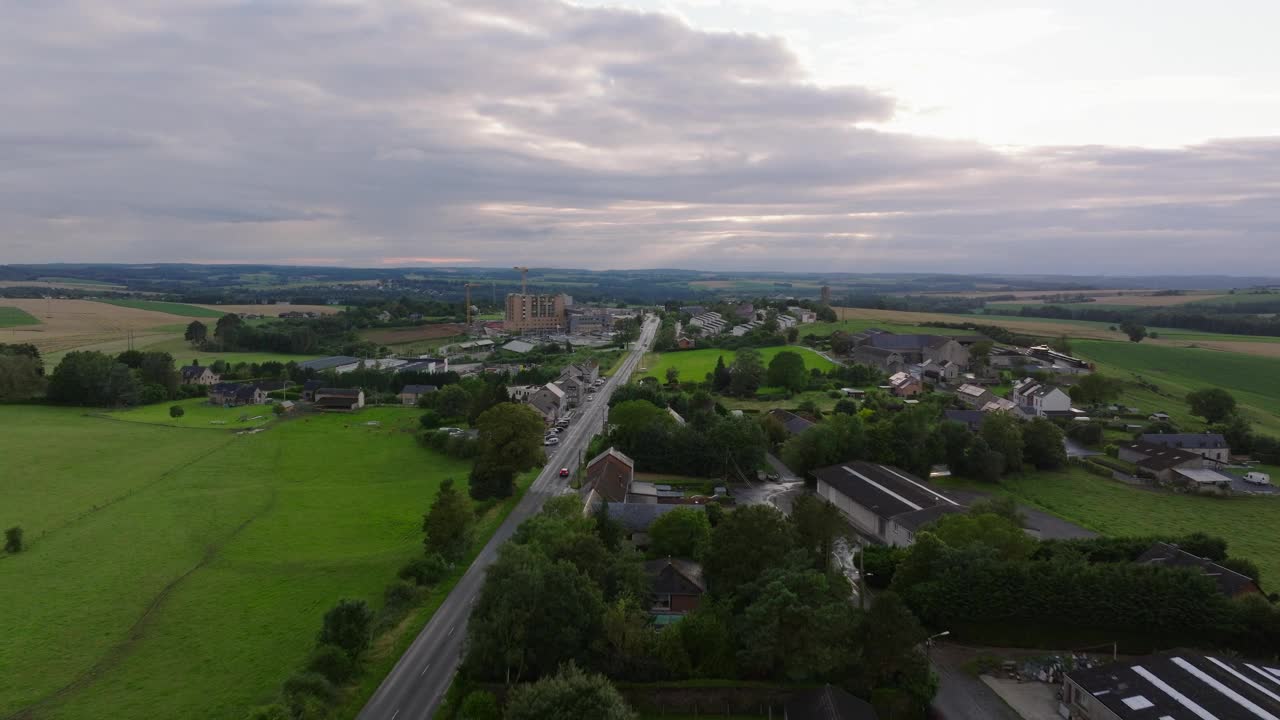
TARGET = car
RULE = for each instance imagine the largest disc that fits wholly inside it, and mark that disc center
(564, 472)
(590, 398)
(553, 440)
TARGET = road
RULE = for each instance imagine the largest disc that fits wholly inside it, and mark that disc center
(416, 685)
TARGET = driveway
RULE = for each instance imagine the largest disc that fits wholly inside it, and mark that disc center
(962, 696)
(1076, 450)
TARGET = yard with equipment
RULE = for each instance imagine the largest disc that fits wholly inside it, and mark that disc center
(219, 552)
(695, 364)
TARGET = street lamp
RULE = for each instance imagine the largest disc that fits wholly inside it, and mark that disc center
(928, 643)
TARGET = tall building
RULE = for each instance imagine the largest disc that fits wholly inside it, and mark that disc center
(826, 295)
(535, 313)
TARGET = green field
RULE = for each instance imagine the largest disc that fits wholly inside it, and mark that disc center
(1248, 523)
(198, 413)
(1253, 380)
(824, 329)
(172, 308)
(13, 317)
(176, 572)
(183, 354)
(695, 364)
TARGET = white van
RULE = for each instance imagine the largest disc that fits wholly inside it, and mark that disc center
(553, 440)
(1257, 478)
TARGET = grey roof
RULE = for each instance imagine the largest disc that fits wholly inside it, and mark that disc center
(189, 371)
(972, 418)
(828, 703)
(328, 363)
(1184, 684)
(919, 518)
(885, 491)
(1212, 441)
(518, 346)
(313, 385)
(792, 422)
(676, 576)
(637, 517)
(1159, 457)
(1230, 582)
(339, 392)
(893, 341)
(418, 389)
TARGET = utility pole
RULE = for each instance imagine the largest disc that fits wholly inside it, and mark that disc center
(468, 286)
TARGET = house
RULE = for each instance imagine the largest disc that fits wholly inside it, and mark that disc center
(915, 349)
(1007, 406)
(328, 363)
(339, 398)
(905, 385)
(384, 316)
(199, 375)
(232, 394)
(974, 396)
(372, 364)
(792, 422)
(1042, 399)
(1039, 357)
(635, 519)
(881, 501)
(574, 390)
(1158, 462)
(744, 311)
(610, 476)
(411, 394)
(1229, 582)
(710, 323)
(883, 358)
(309, 389)
(549, 401)
(588, 371)
(1177, 684)
(685, 343)
(1210, 446)
(521, 393)
(827, 703)
(804, 316)
(743, 329)
(971, 419)
(940, 372)
(677, 587)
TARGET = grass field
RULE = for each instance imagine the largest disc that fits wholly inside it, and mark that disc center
(1247, 522)
(695, 364)
(183, 354)
(13, 317)
(198, 413)
(173, 308)
(174, 572)
(1253, 380)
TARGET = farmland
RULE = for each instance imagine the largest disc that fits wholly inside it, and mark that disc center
(183, 354)
(401, 336)
(13, 317)
(1113, 508)
(695, 364)
(271, 310)
(198, 413)
(218, 552)
(71, 324)
(172, 308)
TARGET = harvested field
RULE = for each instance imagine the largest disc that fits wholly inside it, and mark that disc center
(64, 284)
(401, 336)
(274, 310)
(1134, 298)
(67, 324)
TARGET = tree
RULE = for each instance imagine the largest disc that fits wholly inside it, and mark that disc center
(634, 420)
(786, 370)
(227, 329)
(995, 532)
(347, 625)
(793, 334)
(1042, 445)
(840, 438)
(122, 387)
(1135, 331)
(682, 533)
(510, 443)
(747, 541)
(673, 375)
(568, 695)
(21, 377)
(889, 641)
(1215, 405)
(176, 411)
(196, 332)
(721, 377)
(81, 378)
(818, 524)
(13, 540)
(1095, 389)
(798, 626)
(845, 406)
(1003, 434)
(775, 433)
(1062, 345)
(479, 705)
(449, 523)
(452, 401)
(983, 463)
(746, 373)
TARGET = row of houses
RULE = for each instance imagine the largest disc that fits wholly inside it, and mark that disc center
(256, 393)
(553, 399)
(1029, 398)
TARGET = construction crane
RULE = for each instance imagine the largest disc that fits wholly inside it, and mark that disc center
(524, 279)
(468, 286)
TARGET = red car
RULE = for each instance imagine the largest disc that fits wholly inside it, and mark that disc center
(564, 472)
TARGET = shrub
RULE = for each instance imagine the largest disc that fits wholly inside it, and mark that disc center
(479, 705)
(176, 411)
(331, 662)
(425, 570)
(307, 694)
(13, 540)
(400, 594)
(347, 626)
(274, 711)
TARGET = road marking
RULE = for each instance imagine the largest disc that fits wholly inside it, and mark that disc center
(424, 670)
(451, 627)
(394, 714)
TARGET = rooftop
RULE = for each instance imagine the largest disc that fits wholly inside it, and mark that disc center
(1230, 582)
(1159, 457)
(328, 363)
(886, 491)
(1213, 441)
(1184, 684)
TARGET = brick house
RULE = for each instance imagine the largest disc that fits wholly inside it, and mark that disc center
(199, 375)
(610, 475)
(677, 587)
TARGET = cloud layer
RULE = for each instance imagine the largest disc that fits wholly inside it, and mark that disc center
(537, 132)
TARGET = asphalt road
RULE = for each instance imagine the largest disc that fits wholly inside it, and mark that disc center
(416, 685)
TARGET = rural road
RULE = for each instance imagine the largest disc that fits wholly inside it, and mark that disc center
(416, 685)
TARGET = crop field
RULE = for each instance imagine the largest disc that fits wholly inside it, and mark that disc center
(401, 336)
(1253, 380)
(172, 308)
(1247, 522)
(182, 572)
(13, 317)
(695, 364)
(72, 324)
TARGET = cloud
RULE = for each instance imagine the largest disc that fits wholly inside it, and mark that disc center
(489, 131)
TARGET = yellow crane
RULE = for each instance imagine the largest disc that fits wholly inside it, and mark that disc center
(524, 279)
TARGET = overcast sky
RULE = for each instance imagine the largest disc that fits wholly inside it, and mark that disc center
(1074, 136)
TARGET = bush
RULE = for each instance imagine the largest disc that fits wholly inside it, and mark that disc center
(13, 540)
(430, 420)
(427, 570)
(479, 705)
(307, 694)
(400, 594)
(331, 662)
(176, 411)
(347, 626)
(274, 711)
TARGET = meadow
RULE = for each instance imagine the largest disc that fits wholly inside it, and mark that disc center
(183, 354)
(183, 572)
(13, 317)
(172, 308)
(198, 413)
(1247, 522)
(695, 364)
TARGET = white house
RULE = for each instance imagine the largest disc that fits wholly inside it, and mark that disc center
(1042, 399)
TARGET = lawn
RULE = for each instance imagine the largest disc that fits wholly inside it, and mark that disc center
(13, 317)
(175, 572)
(183, 354)
(1253, 380)
(695, 364)
(173, 308)
(1248, 523)
(198, 413)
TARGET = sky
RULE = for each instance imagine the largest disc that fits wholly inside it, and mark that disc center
(1080, 136)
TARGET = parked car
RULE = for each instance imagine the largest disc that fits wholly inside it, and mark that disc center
(564, 472)
(1257, 478)
(553, 440)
